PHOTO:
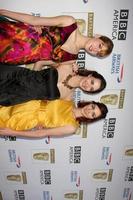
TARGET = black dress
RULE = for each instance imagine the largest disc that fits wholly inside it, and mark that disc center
(19, 85)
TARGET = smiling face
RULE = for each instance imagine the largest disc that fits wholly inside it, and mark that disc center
(94, 46)
(91, 111)
(90, 83)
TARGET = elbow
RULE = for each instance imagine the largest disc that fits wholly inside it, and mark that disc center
(72, 130)
(71, 20)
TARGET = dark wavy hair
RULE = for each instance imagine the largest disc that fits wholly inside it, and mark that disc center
(103, 108)
(85, 73)
(109, 43)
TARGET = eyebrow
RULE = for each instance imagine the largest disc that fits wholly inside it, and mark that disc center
(93, 105)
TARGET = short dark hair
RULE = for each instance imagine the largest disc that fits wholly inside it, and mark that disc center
(109, 43)
(103, 108)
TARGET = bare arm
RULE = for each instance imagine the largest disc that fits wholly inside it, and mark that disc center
(62, 20)
(59, 131)
(40, 64)
(68, 63)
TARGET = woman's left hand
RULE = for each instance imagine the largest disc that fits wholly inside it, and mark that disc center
(2, 11)
(38, 29)
(6, 132)
(75, 68)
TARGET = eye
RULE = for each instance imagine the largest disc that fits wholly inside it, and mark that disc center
(93, 106)
(92, 82)
(101, 46)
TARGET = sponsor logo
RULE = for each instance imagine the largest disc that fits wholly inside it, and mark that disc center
(15, 177)
(103, 175)
(75, 154)
(75, 178)
(43, 155)
(19, 195)
(127, 194)
(128, 152)
(120, 24)
(47, 195)
(81, 58)
(90, 24)
(78, 195)
(114, 99)
(109, 128)
(77, 95)
(84, 130)
(129, 174)
(14, 158)
(47, 140)
(9, 138)
(120, 77)
(121, 99)
(81, 131)
(106, 155)
(100, 193)
(45, 177)
(117, 68)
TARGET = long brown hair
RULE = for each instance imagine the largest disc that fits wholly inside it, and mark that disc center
(103, 108)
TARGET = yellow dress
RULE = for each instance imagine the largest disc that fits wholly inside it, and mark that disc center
(29, 115)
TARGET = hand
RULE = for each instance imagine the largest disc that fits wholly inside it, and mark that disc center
(38, 29)
(39, 127)
(3, 11)
(75, 68)
(6, 132)
(37, 66)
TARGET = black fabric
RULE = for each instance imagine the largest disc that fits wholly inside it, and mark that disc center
(19, 84)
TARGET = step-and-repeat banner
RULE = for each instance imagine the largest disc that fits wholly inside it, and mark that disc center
(97, 162)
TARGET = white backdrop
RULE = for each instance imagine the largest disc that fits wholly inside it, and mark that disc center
(96, 163)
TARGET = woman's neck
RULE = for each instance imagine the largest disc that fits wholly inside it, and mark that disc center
(77, 112)
(81, 41)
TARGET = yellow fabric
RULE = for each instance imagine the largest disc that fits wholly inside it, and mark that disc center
(33, 113)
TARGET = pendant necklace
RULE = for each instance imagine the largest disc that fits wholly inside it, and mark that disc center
(65, 82)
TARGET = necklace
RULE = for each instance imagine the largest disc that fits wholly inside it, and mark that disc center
(65, 82)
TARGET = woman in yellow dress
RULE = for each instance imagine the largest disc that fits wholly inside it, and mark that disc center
(39, 119)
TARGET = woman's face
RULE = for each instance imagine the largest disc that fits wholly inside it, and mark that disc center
(90, 83)
(91, 111)
(94, 46)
